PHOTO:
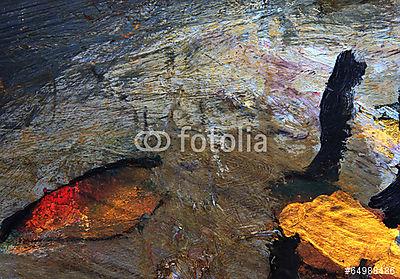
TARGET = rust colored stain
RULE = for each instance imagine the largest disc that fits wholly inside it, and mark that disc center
(92, 208)
(312, 257)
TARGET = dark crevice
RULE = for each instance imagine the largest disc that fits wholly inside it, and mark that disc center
(284, 260)
(15, 220)
(142, 162)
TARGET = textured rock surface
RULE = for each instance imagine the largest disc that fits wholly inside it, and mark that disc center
(80, 79)
(246, 59)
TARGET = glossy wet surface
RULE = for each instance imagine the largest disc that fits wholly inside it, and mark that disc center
(299, 189)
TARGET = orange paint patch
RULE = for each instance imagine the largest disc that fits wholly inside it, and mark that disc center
(344, 231)
(101, 206)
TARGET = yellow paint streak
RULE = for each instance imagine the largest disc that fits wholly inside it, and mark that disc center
(343, 230)
(385, 137)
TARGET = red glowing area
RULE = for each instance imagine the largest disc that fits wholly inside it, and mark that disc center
(56, 210)
(100, 206)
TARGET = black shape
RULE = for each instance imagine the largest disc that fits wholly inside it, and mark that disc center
(389, 202)
(284, 260)
(147, 162)
(336, 110)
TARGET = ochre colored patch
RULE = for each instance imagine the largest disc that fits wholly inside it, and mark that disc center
(344, 231)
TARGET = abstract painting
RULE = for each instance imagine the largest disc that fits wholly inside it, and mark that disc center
(200, 139)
